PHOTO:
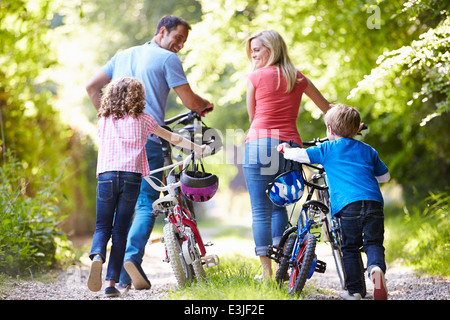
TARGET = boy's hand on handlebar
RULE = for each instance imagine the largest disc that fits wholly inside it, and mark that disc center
(283, 146)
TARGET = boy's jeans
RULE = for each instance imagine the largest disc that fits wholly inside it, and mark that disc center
(362, 224)
(143, 221)
(117, 193)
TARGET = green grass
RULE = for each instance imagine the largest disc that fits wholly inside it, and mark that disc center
(420, 238)
(234, 279)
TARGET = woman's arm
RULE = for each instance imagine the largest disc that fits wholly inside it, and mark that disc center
(251, 103)
(314, 94)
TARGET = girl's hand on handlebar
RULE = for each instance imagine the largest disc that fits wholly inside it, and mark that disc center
(205, 151)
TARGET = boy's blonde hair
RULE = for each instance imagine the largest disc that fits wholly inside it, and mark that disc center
(123, 96)
(278, 57)
(344, 120)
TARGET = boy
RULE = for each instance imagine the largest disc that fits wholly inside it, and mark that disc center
(354, 171)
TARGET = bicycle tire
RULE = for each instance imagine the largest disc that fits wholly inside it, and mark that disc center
(283, 268)
(304, 260)
(197, 265)
(182, 271)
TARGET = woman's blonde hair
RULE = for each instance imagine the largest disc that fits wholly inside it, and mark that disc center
(123, 96)
(344, 120)
(279, 56)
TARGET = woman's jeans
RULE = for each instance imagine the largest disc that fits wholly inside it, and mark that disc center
(362, 224)
(143, 221)
(262, 164)
(117, 193)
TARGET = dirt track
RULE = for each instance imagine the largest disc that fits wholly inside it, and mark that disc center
(403, 284)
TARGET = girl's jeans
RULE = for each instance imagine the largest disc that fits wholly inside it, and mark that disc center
(143, 221)
(117, 193)
(362, 224)
(262, 164)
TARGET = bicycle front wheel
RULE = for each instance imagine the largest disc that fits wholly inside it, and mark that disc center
(182, 271)
(302, 264)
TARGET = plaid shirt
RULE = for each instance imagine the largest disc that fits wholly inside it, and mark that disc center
(122, 143)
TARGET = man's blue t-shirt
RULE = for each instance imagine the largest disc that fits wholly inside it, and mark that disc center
(351, 168)
(159, 69)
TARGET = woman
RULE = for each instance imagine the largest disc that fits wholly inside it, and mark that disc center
(274, 93)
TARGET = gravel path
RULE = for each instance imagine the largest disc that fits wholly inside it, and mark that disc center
(403, 283)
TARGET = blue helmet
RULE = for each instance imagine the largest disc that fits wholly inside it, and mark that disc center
(286, 189)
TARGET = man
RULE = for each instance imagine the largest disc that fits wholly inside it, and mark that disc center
(157, 65)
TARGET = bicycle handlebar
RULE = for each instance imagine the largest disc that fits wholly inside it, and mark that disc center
(170, 186)
(186, 118)
(318, 141)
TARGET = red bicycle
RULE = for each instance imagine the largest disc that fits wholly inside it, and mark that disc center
(185, 249)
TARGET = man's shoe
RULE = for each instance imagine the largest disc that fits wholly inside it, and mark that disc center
(137, 275)
(95, 274)
(379, 283)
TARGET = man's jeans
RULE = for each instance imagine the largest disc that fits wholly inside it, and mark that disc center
(262, 164)
(362, 224)
(143, 222)
(117, 193)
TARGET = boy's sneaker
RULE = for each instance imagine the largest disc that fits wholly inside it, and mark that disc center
(95, 274)
(350, 296)
(379, 283)
(123, 288)
(112, 292)
(137, 275)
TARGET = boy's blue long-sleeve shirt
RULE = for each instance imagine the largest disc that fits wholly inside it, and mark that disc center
(352, 169)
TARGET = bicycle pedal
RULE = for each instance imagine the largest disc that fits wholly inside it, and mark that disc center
(274, 253)
(210, 261)
(208, 244)
(321, 266)
(156, 240)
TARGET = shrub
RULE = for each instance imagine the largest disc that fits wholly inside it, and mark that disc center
(30, 239)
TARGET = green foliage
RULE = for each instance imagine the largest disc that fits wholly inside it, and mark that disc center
(30, 237)
(234, 279)
(420, 238)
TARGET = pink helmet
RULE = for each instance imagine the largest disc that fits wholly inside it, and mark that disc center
(199, 186)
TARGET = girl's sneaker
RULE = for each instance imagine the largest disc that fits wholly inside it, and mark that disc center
(112, 292)
(95, 274)
(379, 283)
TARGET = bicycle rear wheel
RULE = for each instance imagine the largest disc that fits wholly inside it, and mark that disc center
(302, 264)
(283, 268)
(182, 271)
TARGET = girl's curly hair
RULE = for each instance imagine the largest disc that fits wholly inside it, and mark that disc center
(123, 96)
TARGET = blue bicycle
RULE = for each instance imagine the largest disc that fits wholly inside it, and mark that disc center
(296, 250)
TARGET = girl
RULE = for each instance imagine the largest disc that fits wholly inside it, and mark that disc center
(123, 130)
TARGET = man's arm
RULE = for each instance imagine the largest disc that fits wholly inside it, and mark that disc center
(95, 85)
(192, 100)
